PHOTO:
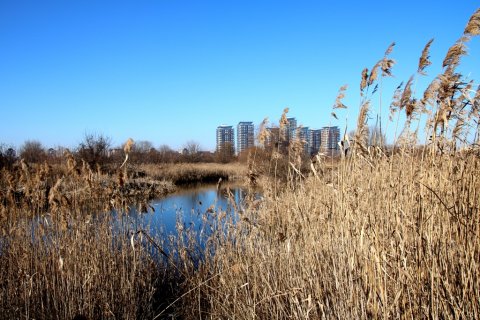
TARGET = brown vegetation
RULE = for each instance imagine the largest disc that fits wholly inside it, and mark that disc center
(379, 234)
(188, 173)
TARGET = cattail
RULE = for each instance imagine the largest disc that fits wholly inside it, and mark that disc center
(473, 25)
(424, 60)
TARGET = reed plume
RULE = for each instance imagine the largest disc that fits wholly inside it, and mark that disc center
(263, 132)
(455, 52)
(283, 119)
(424, 60)
(364, 81)
(127, 149)
(341, 94)
(473, 25)
(406, 100)
(361, 133)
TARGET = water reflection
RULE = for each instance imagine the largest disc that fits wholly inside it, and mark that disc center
(188, 207)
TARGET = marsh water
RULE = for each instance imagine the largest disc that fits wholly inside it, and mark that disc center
(188, 208)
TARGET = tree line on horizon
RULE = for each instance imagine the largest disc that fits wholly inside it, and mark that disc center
(97, 149)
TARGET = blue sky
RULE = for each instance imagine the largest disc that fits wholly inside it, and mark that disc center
(169, 71)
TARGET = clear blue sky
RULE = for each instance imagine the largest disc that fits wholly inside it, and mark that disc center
(169, 71)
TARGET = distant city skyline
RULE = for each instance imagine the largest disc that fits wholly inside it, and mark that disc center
(170, 71)
(230, 142)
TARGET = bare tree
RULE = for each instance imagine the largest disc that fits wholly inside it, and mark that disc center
(94, 148)
(167, 154)
(143, 146)
(32, 151)
(144, 152)
(8, 155)
(192, 147)
(191, 151)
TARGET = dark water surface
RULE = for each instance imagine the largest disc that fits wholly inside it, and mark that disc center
(188, 208)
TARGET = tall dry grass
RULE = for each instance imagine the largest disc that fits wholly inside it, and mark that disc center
(64, 252)
(387, 232)
(357, 243)
(380, 233)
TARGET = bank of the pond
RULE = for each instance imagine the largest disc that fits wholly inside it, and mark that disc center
(182, 174)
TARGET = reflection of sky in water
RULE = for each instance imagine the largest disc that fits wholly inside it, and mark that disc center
(189, 204)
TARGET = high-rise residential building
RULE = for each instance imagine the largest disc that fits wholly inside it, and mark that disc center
(225, 139)
(330, 138)
(315, 140)
(305, 138)
(291, 129)
(245, 136)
